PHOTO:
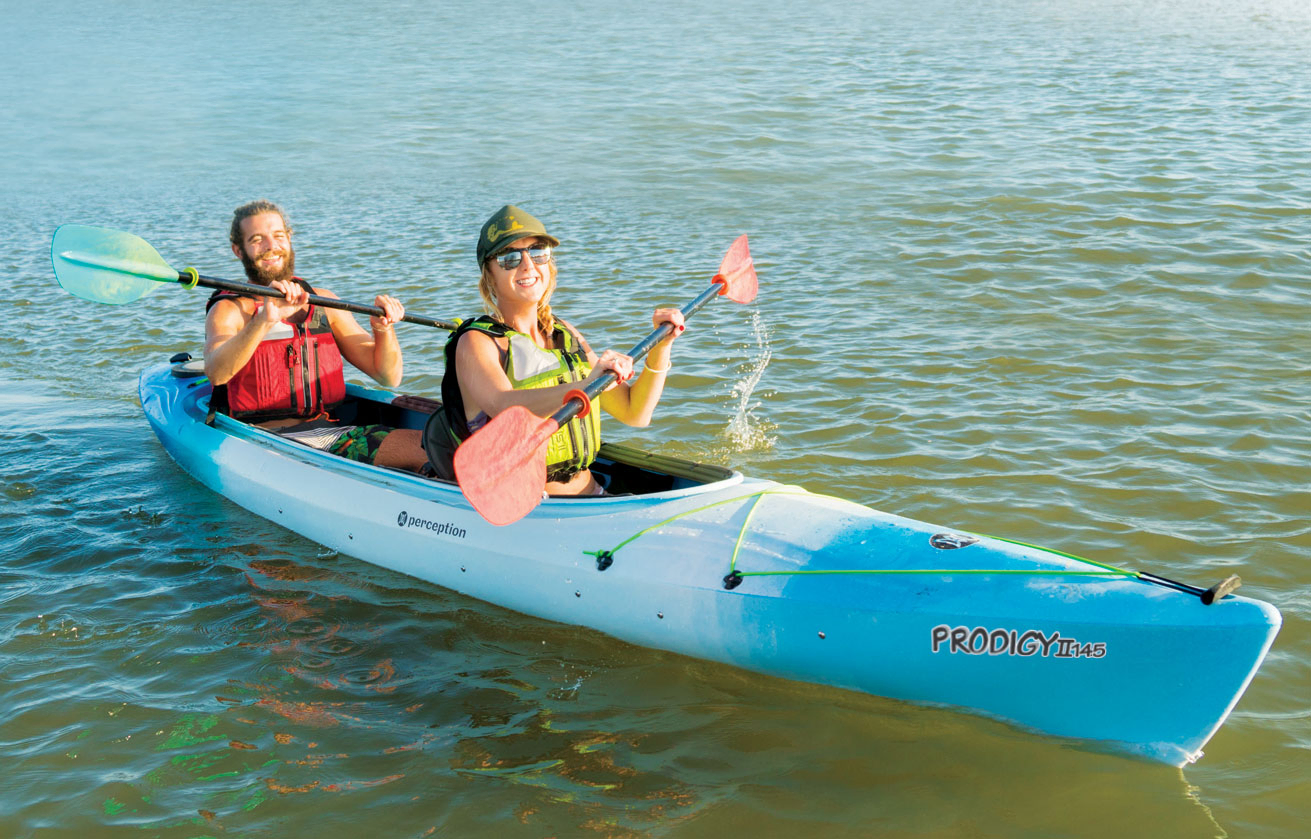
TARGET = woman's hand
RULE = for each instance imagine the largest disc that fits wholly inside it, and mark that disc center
(621, 364)
(392, 313)
(673, 317)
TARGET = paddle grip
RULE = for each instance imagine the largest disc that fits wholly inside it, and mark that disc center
(253, 290)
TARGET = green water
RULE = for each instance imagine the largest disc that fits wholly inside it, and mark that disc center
(1029, 268)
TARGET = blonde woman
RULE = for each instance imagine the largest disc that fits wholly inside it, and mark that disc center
(520, 353)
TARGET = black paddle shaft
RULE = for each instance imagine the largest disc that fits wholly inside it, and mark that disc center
(327, 302)
(572, 407)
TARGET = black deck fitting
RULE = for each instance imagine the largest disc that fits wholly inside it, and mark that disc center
(1220, 589)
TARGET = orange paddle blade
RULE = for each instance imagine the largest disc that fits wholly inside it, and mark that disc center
(737, 273)
(502, 467)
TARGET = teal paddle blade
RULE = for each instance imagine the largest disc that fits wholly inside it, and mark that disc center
(107, 266)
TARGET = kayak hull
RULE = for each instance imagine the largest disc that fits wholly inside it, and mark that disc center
(831, 592)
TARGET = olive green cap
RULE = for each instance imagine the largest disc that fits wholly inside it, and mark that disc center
(506, 225)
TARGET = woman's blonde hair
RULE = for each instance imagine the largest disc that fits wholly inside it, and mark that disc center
(487, 290)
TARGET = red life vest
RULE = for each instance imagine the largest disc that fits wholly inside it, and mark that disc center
(296, 371)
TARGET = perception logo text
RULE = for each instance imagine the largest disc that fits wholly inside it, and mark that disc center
(439, 527)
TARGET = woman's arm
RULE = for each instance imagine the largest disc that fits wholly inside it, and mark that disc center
(485, 387)
(634, 403)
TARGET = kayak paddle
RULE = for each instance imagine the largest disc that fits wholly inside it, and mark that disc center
(501, 468)
(110, 266)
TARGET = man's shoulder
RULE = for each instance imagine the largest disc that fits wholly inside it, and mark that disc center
(225, 304)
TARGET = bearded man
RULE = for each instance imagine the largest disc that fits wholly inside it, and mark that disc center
(277, 361)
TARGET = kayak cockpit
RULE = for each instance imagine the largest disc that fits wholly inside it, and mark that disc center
(622, 469)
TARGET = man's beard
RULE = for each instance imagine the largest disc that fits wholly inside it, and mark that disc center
(259, 276)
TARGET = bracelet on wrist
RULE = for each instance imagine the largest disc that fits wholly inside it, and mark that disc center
(651, 369)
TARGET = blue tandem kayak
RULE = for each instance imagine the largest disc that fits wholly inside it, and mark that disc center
(707, 562)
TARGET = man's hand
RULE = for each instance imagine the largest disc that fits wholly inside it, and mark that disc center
(392, 310)
(275, 309)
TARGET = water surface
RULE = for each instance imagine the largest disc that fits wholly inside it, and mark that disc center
(1029, 268)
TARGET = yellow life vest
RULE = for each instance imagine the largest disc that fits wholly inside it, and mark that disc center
(573, 447)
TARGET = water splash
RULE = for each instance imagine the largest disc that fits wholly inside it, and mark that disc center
(746, 432)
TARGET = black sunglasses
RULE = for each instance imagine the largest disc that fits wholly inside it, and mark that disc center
(510, 259)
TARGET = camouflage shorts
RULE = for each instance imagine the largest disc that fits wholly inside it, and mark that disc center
(361, 442)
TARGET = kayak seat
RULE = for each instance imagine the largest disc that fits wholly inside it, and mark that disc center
(402, 412)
